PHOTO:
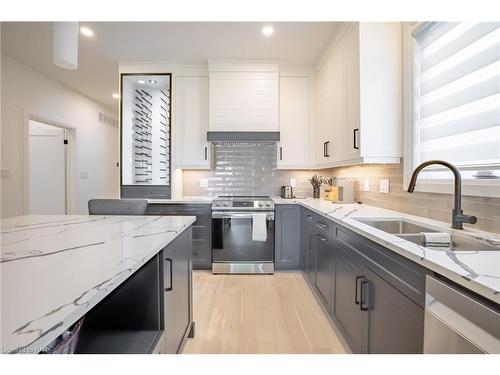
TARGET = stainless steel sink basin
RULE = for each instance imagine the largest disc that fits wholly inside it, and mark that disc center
(413, 232)
(398, 226)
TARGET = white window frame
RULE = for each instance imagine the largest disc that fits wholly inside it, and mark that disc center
(473, 187)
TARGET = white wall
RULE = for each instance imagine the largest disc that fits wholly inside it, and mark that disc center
(27, 93)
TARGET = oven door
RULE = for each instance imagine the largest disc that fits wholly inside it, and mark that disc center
(232, 238)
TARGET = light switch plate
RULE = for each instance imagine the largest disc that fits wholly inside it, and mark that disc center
(384, 186)
(293, 182)
(366, 185)
(84, 176)
(203, 182)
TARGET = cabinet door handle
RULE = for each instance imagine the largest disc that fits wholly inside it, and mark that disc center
(281, 153)
(356, 292)
(309, 217)
(364, 303)
(322, 239)
(324, 149)
(355, 139)
(206, 152)
(170, 274)
(322, 225)
(327, 149)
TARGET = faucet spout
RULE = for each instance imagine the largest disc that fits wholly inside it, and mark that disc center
(458, 217)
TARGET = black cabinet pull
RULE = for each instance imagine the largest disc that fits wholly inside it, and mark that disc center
(324, 149)
(309, 217)
(322, 239)
(364, 305)
(281, 153)
(322, 225)
(206, 152)
(170, 274)
(327, 149)
(356, 299)
(355, 143)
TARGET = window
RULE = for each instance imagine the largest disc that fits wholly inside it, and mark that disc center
(452, 103)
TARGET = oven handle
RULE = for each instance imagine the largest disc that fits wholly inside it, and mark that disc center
(239, 215)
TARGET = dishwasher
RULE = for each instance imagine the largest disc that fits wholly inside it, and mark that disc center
(458, 322)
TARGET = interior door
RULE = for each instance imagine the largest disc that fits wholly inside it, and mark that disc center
(47, 169)
(177, 280)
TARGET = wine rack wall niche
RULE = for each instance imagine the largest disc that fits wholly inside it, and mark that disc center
(142, 137)
(164, 137)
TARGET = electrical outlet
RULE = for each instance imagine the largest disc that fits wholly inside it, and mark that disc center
(384, 186)
(5, 173)
(203, 182)
(293, 182)
(366, 185)
(84, 176)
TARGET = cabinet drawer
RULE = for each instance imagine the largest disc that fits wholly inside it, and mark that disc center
(405, 275)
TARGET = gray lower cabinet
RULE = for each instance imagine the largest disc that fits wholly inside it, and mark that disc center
(375, 296)
(178, 297)
(287, 237)
(309, 245)
(202, 228)
(324, 268)
(346, 310)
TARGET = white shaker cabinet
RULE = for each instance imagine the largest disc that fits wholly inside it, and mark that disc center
(359, 97)
(293, 147)
(191, 123)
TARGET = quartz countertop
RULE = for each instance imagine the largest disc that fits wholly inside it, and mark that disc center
(478, 271)
(55, 268)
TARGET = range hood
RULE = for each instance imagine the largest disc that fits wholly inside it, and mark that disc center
(243, 102)
(242, 137)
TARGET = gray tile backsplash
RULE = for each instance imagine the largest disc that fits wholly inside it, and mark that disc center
(245, 169)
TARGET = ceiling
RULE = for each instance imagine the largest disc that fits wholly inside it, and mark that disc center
(181, 42)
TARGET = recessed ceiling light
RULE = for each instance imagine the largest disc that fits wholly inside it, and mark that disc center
(86, 31)
(268, 30)
(152, 81)
(115, 95)
(141, 82)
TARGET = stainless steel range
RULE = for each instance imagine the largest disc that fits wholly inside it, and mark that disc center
(243, 234)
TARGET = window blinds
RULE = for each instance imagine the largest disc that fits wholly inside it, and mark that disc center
(458, 93)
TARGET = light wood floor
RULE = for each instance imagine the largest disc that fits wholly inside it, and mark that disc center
(258, 314)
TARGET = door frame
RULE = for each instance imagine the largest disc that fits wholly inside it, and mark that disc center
(70, 132)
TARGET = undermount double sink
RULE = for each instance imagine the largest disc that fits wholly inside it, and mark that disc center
(412, 232)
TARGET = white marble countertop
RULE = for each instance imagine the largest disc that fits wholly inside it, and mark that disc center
(55, 268)
(184, 199)
(478, 271)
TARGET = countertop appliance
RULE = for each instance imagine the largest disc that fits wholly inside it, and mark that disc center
(236, 248)
(458, 322)
(286, 192)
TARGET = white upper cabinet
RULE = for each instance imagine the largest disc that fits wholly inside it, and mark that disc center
(359, 98)
(243, 97)
(293, 147)
(191, 123)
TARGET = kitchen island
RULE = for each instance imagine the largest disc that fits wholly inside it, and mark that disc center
(56, 269)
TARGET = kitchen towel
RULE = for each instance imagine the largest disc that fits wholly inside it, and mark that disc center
(259, 227)
(437, 239)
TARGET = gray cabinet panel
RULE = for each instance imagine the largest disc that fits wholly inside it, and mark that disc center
(178, 291)
(395, 323)
(202, 228)
(324, 268)
(287, 233)
(402, 273)
(348, 315)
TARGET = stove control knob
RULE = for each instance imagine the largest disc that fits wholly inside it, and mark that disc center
(268, 204)
(216, 204)
(260, 204)
(226, 204)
